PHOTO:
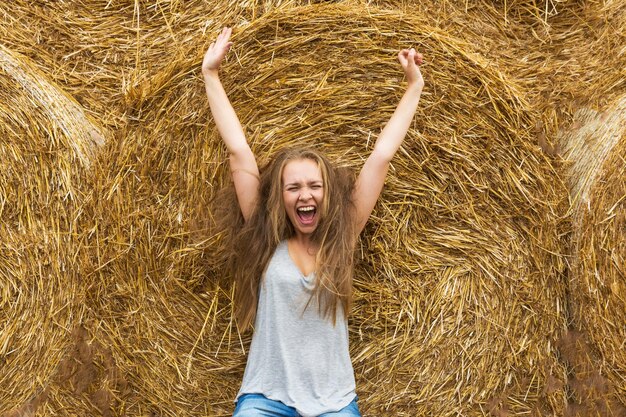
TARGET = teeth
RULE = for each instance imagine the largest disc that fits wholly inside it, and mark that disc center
(306, 208)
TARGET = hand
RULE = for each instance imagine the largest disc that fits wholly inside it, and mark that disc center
(216, 52)
(410, 61)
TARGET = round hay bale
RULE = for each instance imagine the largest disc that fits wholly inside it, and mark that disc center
(460, 291)
(459, 288)
(40, 304)
(47, 141)
(46, 145)
(596, 146)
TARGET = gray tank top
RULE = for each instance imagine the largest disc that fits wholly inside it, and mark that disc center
(297, 356)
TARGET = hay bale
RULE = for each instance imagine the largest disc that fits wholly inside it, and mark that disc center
(47, 143)
(96, 49)
(549, 58)
(40, 303)
(457, 250)
(459, 290)
(595, 145)
(586, 144)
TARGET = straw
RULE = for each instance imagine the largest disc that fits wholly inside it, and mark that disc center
(461, 287)
(596, 149)
(451, 302)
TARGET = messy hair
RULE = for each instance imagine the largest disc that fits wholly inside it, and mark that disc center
(255, 241)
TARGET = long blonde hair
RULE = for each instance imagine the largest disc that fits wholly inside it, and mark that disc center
(254, 242)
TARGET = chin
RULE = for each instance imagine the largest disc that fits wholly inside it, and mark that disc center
(306, 230)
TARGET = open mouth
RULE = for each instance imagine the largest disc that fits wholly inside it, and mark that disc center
(306, 214)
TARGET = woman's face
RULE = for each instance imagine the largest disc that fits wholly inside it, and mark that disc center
(303, 193)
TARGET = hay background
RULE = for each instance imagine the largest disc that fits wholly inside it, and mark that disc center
(48, 143)
(96, 49)
(169, 142)
(596, 147)
(152, 334)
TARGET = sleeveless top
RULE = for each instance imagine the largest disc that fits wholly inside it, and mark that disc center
(297, 356)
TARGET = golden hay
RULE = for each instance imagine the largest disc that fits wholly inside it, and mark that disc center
(586, 144)
(596, 147)
(95, 48)
(40, 300)
(47, 142)
(574, 59)
(532, 11)
(579, 61)
(465, 238)
(459, 287)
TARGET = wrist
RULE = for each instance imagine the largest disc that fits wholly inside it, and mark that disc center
(210, 74)
(415, 87)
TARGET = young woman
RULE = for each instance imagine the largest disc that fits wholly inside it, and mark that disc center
(294, 259)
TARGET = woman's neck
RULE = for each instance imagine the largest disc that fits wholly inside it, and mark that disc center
(304, 243)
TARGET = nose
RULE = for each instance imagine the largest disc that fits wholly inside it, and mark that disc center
(305, 194)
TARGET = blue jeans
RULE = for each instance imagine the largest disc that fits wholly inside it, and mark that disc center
(257, 405)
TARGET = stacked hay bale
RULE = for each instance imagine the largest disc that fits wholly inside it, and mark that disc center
(459, 288)
(47, 143)
(596, 147)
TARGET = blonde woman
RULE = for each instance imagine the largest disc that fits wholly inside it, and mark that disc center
(294, 260)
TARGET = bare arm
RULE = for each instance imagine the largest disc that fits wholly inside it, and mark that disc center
(243, 165)
(372, 176)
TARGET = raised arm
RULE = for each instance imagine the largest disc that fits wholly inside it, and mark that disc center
(372, 177)
(243, 165)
